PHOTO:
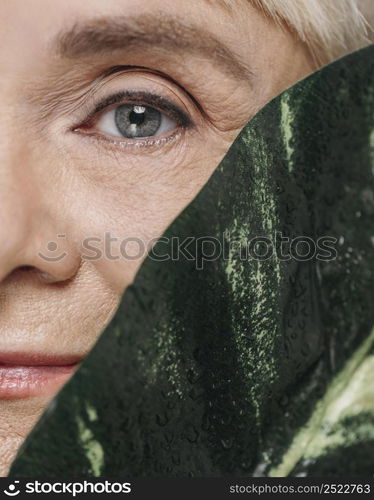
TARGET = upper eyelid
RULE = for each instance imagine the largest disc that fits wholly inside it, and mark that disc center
(115, 71)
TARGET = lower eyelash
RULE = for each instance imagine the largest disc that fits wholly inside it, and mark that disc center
(139, 144)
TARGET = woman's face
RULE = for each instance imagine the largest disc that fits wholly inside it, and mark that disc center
(113, 115)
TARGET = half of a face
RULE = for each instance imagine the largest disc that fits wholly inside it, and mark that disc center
(250, 322)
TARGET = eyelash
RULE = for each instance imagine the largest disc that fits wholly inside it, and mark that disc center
(137, 98)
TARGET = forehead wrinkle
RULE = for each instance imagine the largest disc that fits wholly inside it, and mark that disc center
(105, 35)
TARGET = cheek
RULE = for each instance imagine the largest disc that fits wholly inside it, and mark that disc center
(91, 303)
(69, 317)
(119, 203)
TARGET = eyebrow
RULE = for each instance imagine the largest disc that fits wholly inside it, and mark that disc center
(105, 35)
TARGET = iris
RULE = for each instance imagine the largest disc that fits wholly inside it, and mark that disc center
(137, 121)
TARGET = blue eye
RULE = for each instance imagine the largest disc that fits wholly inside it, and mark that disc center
(133, 121)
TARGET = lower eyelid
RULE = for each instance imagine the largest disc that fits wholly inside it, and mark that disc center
(112, 143)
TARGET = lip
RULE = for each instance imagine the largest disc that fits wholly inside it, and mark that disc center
(25, 375)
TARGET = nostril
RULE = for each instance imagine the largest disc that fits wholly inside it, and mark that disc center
(23, 273)
(19, 274)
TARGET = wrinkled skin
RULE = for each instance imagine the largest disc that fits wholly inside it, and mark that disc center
(63, 172)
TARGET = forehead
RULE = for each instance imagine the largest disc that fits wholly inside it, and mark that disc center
(38, 20)
(28, 29)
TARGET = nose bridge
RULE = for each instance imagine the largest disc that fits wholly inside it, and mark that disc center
(20, 191)
(29, 227)
(19, 202)
(30, 220)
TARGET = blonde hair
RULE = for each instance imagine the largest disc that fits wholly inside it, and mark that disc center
(330, 28)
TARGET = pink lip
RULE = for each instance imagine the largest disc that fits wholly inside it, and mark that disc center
(27, 375)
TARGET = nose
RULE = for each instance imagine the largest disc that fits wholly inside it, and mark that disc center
(33, 234)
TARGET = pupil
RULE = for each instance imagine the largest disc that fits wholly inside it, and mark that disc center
(137, 118)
